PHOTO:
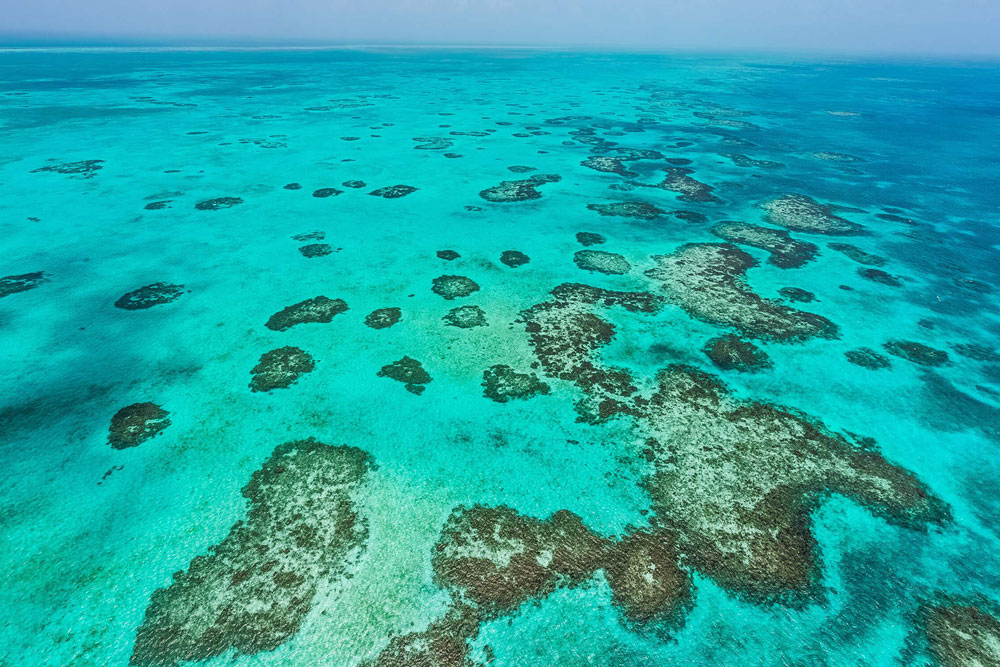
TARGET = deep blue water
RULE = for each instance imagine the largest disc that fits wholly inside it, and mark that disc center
(822, 497)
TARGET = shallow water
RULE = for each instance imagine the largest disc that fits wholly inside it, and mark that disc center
(90, 531)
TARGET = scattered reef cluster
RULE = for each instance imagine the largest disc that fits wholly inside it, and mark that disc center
(731, 481)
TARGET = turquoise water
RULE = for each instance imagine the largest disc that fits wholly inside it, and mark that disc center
(92, 525)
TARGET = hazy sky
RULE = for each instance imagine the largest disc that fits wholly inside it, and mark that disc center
(916, 26)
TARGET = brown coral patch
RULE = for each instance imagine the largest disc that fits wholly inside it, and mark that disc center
(280, 368)
(135, 424)
(319, 309)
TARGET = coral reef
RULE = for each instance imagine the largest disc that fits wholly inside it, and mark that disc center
(786, 252)
(393, 191)
(733, 353)
(149, 296)
(82, 168)
(961, 633)
(316, 250)
(857, 254)
(21, 283)
(797, 294)
(466, 317)
(383, 318)
(408, 371)
(868, 358)
(707, 280)
(880, 276)
(611, 165)
(319, 309)
(135, 424)
(252, 591)
(589, 238)
(514, 191)
(679, 180)
(628, 209)
(918, 353)
(514, 258)
(448, 255)
(323, 193)
(280, 368)
(603, 262)
(453, 287)
(218, 203)
(805, 214)
(502, 383)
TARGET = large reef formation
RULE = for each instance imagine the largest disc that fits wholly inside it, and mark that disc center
(252, 591)
(960, 633)
(280, 368)
(732, 481)
(493, 560)
(707, 280)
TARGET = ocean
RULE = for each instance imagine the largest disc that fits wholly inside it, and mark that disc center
(448, 357)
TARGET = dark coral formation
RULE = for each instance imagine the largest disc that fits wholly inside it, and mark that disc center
(319, 309)
(693, 217)
(868, 358)
(453, 287)
(797, 294)
(881, 277)
(611, 165)
(149, 296)
(961, 633)
(707, 280)
(393, 191)
(603, 262)
(21, 283)
(805, 214)
(918, 353)
(408, 371)
(733, 353)
(253, 590)
(447, 255)
(521, 169)
(514, 258)
(976, 352)
(857, 254)
(354, 184)
(280, 368)
(645, 580)
(135, 424)
(218, 203)
(679, 180)
(514, 191)
(81, 168)
(323, 193)
(786, 252)
(589, 238)
(383, 318)
(316, 250)
(741, 160)
(158, 205)
(502, 383)
(628, 209)
(315, 235)
(466, 317)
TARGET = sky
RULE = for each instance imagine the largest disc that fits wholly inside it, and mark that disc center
(847, 26)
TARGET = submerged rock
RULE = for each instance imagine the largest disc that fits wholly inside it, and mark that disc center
(383, 318)
(466, 317)
(733, 353)
(448, 255)
(453, 287)
(280, 368)
(149, 296)
(319, 309)
(603, 262)
(135, 424)
(805, 214)
(514, 258)
(252, 591)
(21, 283)
(502, 383)
(408, 371)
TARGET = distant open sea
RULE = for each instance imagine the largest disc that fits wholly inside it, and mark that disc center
(442, 357)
